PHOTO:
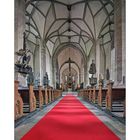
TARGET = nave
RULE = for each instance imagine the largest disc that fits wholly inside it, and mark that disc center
(69, 46)
(70, 117)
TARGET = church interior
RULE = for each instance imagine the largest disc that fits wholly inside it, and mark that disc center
(69, 70)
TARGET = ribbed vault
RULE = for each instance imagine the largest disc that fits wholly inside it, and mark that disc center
(71, 29)
(69, 21)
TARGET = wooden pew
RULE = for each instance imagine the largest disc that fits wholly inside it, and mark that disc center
(115, 99)
(89, 95)
(36, 93)
(80, 93)
(49, 95)
(83, 93)
(18, 103)
(57, 94)
(101, 95)
(110, 98)
(95, 95)
(52, 94)
(45, 96)
(28, 97)
(39, 97)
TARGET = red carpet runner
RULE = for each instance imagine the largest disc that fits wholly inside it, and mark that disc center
(70, 120)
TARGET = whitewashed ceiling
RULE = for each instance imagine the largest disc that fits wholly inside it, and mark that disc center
(69, 21)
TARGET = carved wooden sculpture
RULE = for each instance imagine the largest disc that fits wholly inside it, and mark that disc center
(109, 96)
(50, 95)
(32, 99)
(40, 97)
(46, 96)
(94, 95)
(18, 103)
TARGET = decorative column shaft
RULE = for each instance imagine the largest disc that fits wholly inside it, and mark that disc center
(118, 39)
(97, 59)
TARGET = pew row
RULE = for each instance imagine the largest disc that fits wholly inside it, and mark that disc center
(110, 98)
(115, 99)
(39, 97)
(29, 99)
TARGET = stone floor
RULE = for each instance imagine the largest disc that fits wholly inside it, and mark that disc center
(117, 127)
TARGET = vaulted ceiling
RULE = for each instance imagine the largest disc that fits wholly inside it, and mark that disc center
(79, 22)
(72, 53)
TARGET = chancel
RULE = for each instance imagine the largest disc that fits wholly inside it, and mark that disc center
(70, 70)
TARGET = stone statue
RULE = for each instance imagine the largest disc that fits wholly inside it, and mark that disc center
(30, 79)
(92, 69)
(45, 80)
(81, 85)
(107, 74)
(57, 86)
(26, 59)
(22, 65)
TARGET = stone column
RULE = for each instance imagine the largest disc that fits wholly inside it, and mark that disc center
(54, 72)
(42, 61)
(123, 42)
(19, 25)
(119, 40)
(18, 37)
(97, 59)
(79, 78)
(36, 59)
(86, 78)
